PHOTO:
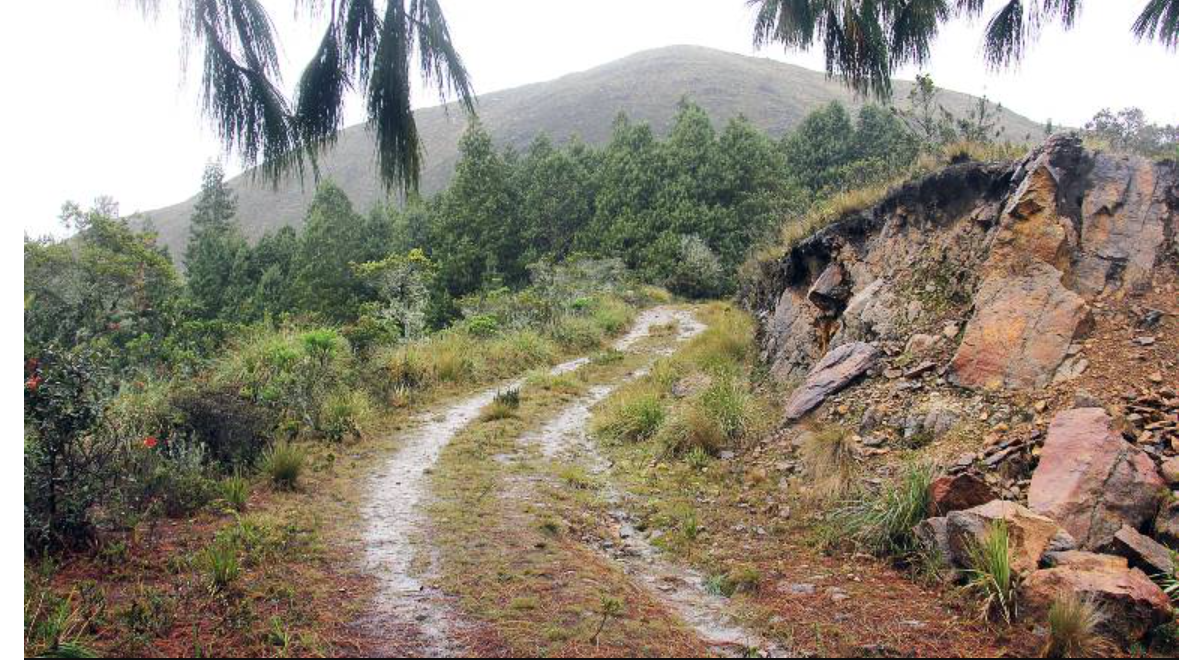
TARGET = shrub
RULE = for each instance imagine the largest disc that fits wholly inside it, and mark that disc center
(69, 466)
(347, 413)
(284, 461)
(232, 429)
(612, 315)
(577, 333)
(990, 572)
(1074, 624)
(884, 522)
(631, 416)
(697, 271)
(484, 325)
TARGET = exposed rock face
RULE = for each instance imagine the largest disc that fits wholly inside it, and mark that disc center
(1133, 603)
(1022, 249)
(1091, 480)
(1022, 328)
(1029, 535)
(1141, 551)
(1166, 523)
(963, 491)
(836, 370)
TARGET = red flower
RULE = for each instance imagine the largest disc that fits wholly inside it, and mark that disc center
(33, 383)
(150, 442)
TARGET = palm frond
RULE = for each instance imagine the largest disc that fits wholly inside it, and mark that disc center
(440, 62)
(389, 103)
(1159, 19)
(319, 94)
(1006, 35)
(913, 28)
(360, 37)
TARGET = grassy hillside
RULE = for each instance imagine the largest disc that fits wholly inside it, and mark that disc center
(647, 86)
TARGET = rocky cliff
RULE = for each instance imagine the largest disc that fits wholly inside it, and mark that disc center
(1017, 324)
(1022, 250)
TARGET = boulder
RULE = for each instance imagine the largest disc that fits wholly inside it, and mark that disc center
(962, 491)
(920, 343)
(1085, 561)
(1132, 602)
(1023, 325)
(831, 290)
(1029, 534)
(933, 535)
(1142, 551)
(1170, 471)
(836, 370)
(1166, 523)
(1091, 480)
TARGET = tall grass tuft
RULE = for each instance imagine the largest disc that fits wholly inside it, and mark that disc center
(234, 492)
(883, 522)
(503, 406)
(284, 461)
(1074, 624)
(633, 415)
(990, 573)
(828, 457)
(221, 563)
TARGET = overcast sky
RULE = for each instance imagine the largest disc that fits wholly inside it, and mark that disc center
(104, 111)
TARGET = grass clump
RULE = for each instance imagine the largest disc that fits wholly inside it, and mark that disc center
(1074, 624)
(503, 406)
(633, 415)
(990, 572)
(221, 564)
(883, 522)
(828, 457)
(739, 579)
(234, 491)
(350, 413)
(724, 413)
(284, 461)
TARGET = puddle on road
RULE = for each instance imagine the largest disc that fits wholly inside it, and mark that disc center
(394, 511)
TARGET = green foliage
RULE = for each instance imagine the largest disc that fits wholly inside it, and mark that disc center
(214, 247)
(633, 415)
(69, 467)
(504, 405)
(1129, 131)
(883, 522)
(221, 564)
(990, 572)
(865, 43)
(235, 492)
(284, 462)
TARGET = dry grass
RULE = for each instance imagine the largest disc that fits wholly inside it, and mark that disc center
(1074, 624)
(829, 462)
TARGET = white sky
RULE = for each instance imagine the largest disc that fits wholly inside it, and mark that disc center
(104, 111)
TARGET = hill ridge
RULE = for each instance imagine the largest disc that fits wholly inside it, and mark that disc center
(646, 85)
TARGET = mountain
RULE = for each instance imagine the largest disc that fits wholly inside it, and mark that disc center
(647, 86)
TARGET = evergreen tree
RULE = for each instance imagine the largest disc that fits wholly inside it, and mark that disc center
(334, 238)
(213, 245)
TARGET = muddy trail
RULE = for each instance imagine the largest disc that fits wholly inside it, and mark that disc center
(565, 439)
(416, 615)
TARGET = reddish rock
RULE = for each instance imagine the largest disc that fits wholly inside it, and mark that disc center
(1091, 480)
(1029, 534)
(1142, 551)
(1170, 470)
(1086, 561)
(959, 492)
(1023, 325)
(1133, 603)
(836, 370)
(1166, 523)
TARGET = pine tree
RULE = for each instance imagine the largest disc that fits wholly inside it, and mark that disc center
(213, 244)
